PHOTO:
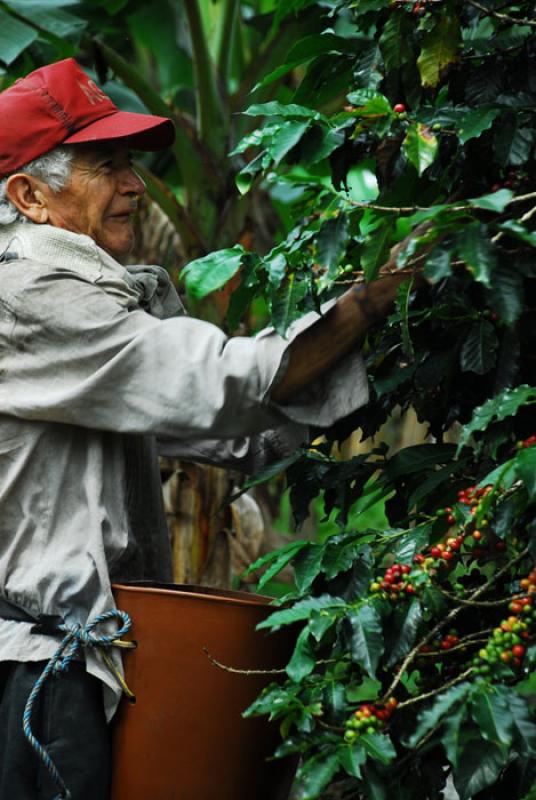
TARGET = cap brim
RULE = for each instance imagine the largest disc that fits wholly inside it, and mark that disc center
(143, 131)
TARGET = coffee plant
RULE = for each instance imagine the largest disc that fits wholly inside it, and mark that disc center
(405, 140)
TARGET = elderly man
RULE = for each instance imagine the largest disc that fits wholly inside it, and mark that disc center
(96, 362)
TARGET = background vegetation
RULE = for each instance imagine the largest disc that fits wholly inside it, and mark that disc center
(326, 142)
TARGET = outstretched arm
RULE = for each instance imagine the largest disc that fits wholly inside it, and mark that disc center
(321, 346)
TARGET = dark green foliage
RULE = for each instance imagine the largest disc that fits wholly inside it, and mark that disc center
(452, 170)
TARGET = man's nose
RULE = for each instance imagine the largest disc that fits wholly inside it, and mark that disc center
(131, 183)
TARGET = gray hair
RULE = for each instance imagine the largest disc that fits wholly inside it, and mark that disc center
(54, 168)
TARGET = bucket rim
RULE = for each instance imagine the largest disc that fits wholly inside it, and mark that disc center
(190, 590)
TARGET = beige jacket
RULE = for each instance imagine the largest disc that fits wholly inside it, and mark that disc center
(88, 381)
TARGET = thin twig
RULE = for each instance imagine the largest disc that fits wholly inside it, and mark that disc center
(526, 216)
(218, 664)
(328, 727)
(477, 634)
(474, 603)
(236, 671)
(463, 645)
(435, 692)
(506, 17)
(521, 198)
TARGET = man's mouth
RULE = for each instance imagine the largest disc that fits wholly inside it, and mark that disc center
(126, 216)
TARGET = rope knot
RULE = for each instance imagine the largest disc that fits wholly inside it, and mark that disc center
(77, 636)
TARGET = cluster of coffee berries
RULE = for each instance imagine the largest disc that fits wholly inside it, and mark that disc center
(507, 645)
(441, 551)
(527, 442)
(395, 584)
(528, 584)
(472, 496)
(448, 641)
(369, 718)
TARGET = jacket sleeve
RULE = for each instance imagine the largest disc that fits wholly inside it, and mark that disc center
(247, 454)
(71, 354)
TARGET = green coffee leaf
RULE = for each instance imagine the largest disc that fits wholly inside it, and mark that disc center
(453, 734)
(205, 275)
(477, 250)
(405, 626)
(373, 780)
(273, 700)
(331, 242)
(505, 404)
(275, 109)
(395, 42)
(376, 250)
(526, 470)
(366, 640)
(491, 712)
(403, 294)
(478, 353)
(276, 266)
(351, 758)
(475, 122)
(375, 106)
(524, 724)
(301, 610)
(405, 547)
(52, 19)
(497, 201)
(513, 143)
(245, 292)
(519, 231)
(285, 302)
(439, 49)
(303, 659)
(420, 146)
(379, 746)
(283, 557)
(335, 697)
(315, 774)
(480, 764)
(307, 565)
(441, 706)
(418, 458)
(506, 294)
(306, 49)
(437, 265)
(15, 36)
(285, 138)
(275, 556)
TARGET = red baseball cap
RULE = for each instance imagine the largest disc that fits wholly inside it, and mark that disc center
(61, 104)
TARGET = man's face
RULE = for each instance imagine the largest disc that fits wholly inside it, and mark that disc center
(100, 198)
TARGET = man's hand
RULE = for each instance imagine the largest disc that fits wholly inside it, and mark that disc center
(321, 346)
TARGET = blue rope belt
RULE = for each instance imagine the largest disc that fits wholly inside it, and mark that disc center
(76, 637)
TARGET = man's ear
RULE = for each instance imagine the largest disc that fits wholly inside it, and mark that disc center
(27, 195)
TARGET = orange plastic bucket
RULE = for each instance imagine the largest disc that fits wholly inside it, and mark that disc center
(185, 738)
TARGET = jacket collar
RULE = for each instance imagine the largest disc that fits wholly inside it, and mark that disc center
(65, 250)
